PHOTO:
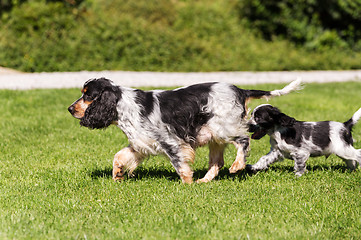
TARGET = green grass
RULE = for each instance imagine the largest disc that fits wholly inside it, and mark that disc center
(55, 180)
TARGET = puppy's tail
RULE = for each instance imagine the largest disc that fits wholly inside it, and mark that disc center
(352, 121)
(293, 86)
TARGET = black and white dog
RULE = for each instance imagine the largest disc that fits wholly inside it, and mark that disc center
(298, 140)
(172, 122)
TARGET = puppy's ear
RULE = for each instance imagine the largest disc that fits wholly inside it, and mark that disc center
(281, 118)
(102, 111)
(285, 121)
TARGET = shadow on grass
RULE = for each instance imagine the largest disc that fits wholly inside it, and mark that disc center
(139, 174)
(313, 168)
(142, 173)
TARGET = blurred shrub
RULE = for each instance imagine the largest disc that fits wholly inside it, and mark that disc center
(8, 5)
(33, 35)
(318, 24)
(150, 35)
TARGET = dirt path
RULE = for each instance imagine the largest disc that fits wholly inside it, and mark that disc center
(11, 79)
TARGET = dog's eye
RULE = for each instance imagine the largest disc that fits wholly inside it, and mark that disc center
(87, 97)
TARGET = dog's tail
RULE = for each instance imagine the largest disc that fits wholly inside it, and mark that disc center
(293, 86)
(352, 121)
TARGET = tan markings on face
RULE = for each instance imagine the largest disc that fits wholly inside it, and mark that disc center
(80, 107)
(84, 90)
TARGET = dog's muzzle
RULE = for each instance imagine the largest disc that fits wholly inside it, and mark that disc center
(252, 127)
(257, 131)
(71, 109)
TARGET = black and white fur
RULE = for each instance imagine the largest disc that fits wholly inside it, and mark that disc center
(298, 140)
(172, 122)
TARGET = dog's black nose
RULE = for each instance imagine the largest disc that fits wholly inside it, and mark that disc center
(252, 127)
(71, 109)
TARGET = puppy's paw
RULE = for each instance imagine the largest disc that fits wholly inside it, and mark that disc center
(299, 174)
(251, 169)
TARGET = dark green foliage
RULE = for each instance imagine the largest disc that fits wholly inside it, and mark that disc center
(317, 24)
(33, 36)
(162, 35)
(8, 5)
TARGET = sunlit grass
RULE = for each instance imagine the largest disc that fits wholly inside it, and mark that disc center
(55, 180)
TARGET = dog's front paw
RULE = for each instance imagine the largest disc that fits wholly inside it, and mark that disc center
(237, 166)
(118, 178)
(118, 174)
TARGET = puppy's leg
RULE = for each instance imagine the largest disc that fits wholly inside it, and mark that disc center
(242, 145)
(264, 162)
(179, 157)
(126, 159)
(216, 162)
(300, 162)
(350, 155)
(351, 164)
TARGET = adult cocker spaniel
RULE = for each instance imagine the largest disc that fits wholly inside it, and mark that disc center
(172, 122)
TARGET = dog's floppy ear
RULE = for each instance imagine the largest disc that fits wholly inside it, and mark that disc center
(102, 111)
(285, 121)
(281, 118)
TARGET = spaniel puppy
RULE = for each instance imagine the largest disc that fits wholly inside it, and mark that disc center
(298, 140)
(172, 122)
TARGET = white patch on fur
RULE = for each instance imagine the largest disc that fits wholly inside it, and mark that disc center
(227, 121)
(140, 135)
(356, 116)
(293, 86)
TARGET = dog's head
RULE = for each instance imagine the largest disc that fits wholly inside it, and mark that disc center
(96, 108)
(265, 118)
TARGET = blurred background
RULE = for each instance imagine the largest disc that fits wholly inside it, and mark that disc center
(180, 35)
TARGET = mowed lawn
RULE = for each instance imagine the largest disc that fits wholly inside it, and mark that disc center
(55, 179)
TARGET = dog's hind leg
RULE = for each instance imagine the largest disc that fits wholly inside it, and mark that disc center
(351, 156)
(242, 145)
(179, 156)
(126, 159)
(300, 162)
(358, 157)
(216, 162)
(351, 164)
